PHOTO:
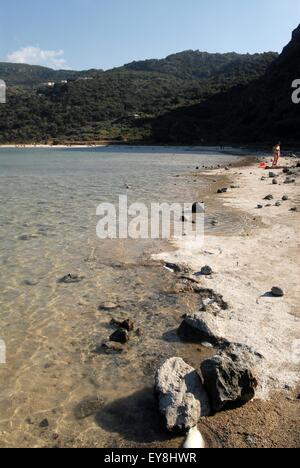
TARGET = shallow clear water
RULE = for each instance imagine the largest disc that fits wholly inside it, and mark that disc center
(53, 331)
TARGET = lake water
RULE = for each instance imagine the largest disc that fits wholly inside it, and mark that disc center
(58, 387)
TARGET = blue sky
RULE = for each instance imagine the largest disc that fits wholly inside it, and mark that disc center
(83, 34)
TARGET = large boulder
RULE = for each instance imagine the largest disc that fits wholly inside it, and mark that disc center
(229, 377)
(201, 326)
(182, 397)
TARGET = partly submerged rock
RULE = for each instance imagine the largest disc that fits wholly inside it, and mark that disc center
(181, 395)
(229, 377)
(71, 278)
(120, 336)
(201, 326)
(108, 306)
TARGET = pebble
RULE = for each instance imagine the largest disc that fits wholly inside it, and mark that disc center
(120, 336)
(277, 292)
(70, 278)
(285, 198)
(108, 306)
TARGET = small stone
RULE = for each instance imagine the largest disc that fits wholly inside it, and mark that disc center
(269, 197)
(275, 182)
(29, 282)
(197, 208)
(206, 271)
(259, 207)
(277, 292)
(108, 306)
(294, 209)
(120, 336)
(278, 203)
(44, 424)
(285, 198)
(88, 407)
(70, 278)
(272, 175)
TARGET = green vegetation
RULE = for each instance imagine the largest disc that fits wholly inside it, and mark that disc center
(187, 97)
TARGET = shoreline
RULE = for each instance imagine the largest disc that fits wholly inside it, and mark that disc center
(245, 268)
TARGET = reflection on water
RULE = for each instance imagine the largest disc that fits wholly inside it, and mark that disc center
(51, 330)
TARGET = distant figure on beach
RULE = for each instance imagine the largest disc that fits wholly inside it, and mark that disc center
(276, 154)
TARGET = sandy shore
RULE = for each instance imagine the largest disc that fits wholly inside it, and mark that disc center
(51, 146)
(246, 267)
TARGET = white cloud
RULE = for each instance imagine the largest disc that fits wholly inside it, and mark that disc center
(37, 56)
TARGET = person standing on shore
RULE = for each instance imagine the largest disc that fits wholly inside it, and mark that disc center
(276, 154)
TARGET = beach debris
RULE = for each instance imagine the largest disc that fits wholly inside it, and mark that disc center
(198, 208)
(205, 271)
(277, 292)
(120, 336)
(269, 197)
(285, 198)
(181, 396)
(199, 327)
(70, 279)
(229, 376)
(108, 306)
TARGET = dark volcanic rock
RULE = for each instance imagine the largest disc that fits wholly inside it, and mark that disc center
(108, 306)
(70, 278)
(269, 197)
(199, 327)
(197, 208)
(181, 395)
(277, 292)
(120, 336)
(229, 377)
(285, 198)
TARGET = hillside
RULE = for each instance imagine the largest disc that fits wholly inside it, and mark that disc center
(32, 76)
(261, 111)
(122, 103)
